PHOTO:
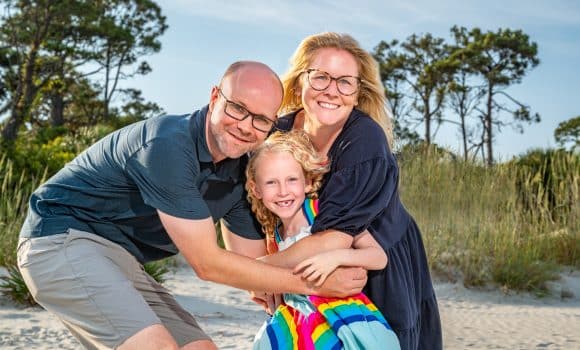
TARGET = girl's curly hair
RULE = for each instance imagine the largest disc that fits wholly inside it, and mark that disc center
(298, 144)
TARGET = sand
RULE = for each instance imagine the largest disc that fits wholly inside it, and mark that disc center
(471, 319)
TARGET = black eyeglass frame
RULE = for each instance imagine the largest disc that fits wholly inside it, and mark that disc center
(310, 70)
(247, 114)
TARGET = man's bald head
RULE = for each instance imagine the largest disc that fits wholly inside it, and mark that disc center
(253, 75)
(251, 67)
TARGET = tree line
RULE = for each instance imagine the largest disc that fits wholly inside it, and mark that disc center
(63, 63)
(468, 75)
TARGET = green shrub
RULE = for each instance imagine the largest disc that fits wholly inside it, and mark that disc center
(517, 271)
(51, 148)
(158, 270)
(13, 287)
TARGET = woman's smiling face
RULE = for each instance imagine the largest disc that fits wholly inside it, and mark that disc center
(329, 107)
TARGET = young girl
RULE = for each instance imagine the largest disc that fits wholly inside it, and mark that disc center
(283, 176)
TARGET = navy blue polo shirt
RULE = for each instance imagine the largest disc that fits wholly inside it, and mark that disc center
(114, 187)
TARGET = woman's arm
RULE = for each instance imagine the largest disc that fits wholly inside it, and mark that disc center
(308, 247)
(367, 254)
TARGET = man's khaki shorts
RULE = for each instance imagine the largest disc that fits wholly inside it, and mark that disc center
(99, 290)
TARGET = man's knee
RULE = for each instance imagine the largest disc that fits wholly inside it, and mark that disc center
(200, 345)
(152, 337)
(158, 337)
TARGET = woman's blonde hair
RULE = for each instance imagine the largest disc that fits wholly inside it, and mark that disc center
(297, 144)
(371, 95)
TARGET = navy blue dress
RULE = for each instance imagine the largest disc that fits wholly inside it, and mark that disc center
(361, 192)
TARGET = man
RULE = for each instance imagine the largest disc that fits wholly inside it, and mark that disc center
(145, 192)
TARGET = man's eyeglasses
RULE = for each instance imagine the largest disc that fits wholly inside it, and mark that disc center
(320, 80)
(237, 112)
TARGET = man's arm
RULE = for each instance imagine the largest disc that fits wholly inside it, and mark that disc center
(252, 248)
(196, 240)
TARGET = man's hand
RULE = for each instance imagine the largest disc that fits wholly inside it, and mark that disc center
(343, 282)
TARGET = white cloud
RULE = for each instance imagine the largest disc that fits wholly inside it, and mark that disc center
(376, 13)
(372, 20)
(295, 15)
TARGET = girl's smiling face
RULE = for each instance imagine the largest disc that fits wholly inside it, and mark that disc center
(281, 185)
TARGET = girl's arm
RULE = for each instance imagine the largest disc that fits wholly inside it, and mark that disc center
(367, 253)
(309, 246)
(375, 257)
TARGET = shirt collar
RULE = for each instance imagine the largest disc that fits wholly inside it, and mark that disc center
(286, 122)
(198, 130)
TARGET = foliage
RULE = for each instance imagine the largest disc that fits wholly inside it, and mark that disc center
(516, 271)
(568, 132)
(475, 226)
(393, 78)
(52, 147)
(424, 76)
(13, 287)
(464, 93)
(50, 50)
(542, 182)
(137, 108)
(157, 270)
(129, 30)
(420, 65)
(15, 189)
(501, 58)
(35, 35)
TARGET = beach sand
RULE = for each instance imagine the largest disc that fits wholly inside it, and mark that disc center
(471, 319)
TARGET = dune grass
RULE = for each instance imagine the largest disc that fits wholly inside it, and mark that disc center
(477, 227)
(15, 189)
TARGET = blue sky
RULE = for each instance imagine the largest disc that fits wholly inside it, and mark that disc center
(204, 37)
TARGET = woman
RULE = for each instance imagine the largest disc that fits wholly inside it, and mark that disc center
(334, 93)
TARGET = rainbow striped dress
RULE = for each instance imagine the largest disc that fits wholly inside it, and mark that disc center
(312, 322)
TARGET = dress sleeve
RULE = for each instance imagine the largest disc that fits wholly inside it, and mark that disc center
(353, 196)
(164, 172)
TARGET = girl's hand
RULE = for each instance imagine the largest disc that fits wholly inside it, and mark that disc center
(269, 302)
(259, 298)
(317, 268)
